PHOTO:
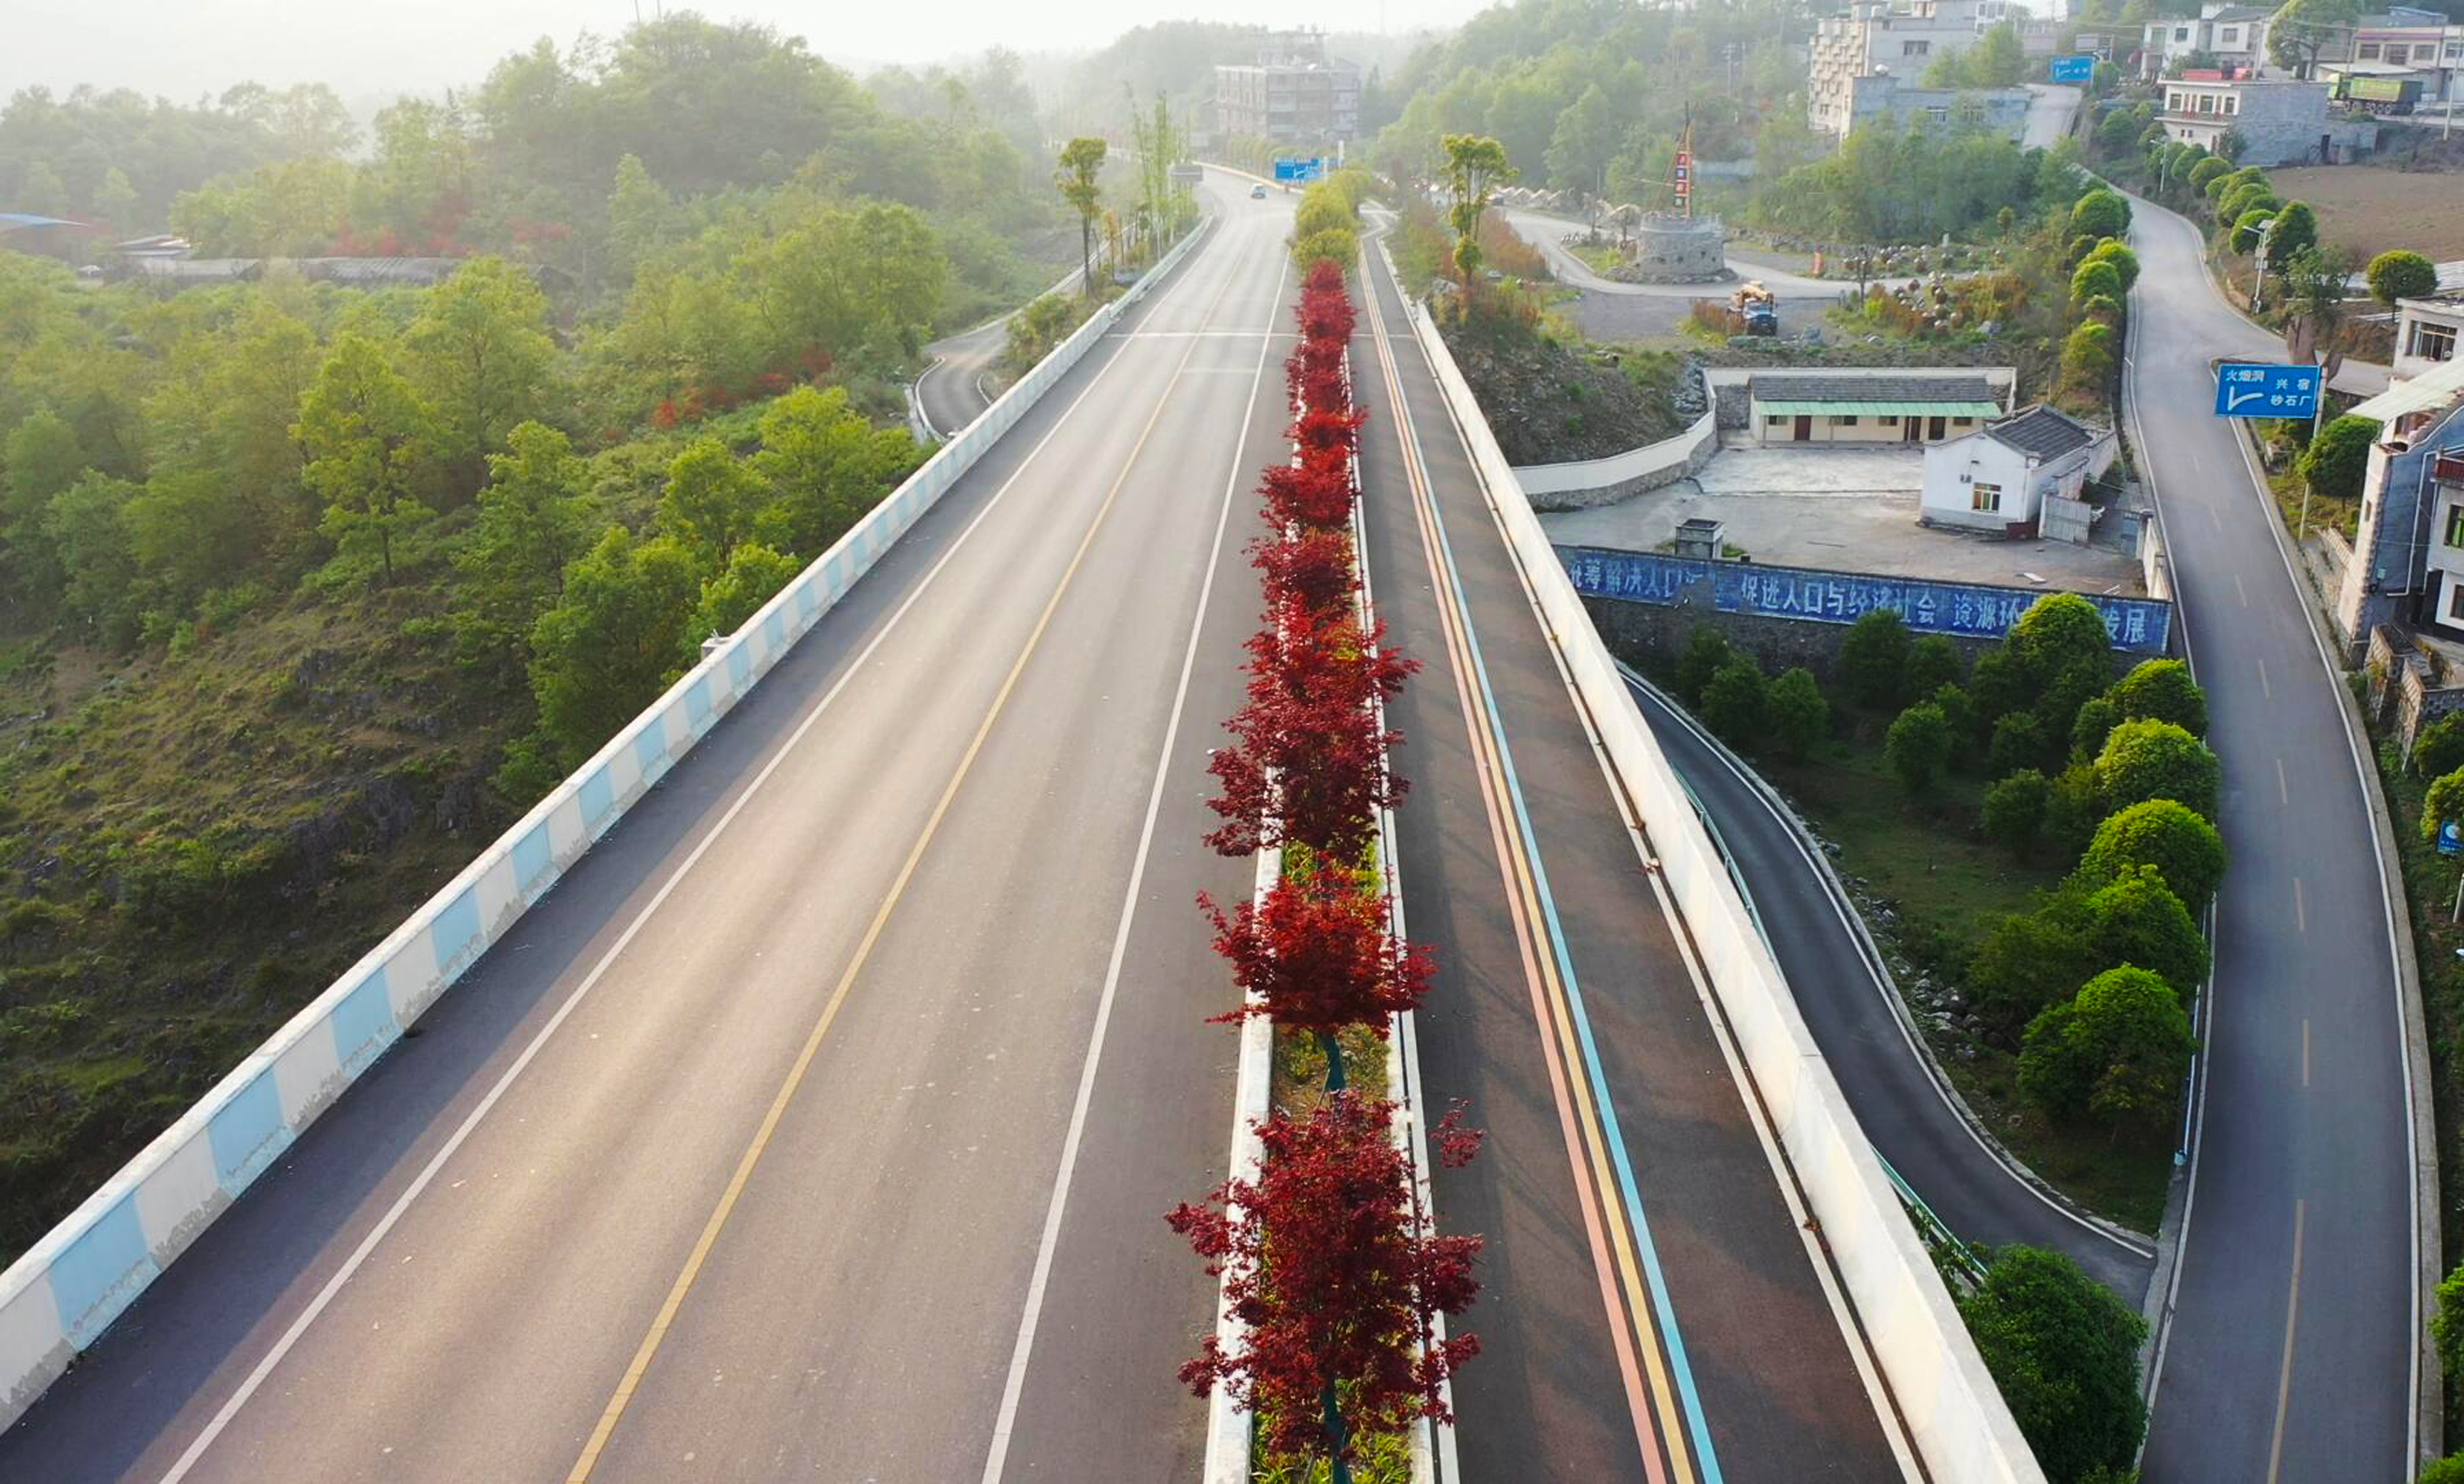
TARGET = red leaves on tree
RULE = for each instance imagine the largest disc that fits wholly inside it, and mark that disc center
(1318, 956)
(1335, 434)
(1311, 568)
(1320, 1260)
(1326, 310)
(1316, 492)
(1306, 765)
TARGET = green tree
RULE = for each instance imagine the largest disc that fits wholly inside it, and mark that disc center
(42, 456)
(2074, 810)
(1874, 659)
(2439, 748)
(2444, 801)
(2030, 960)
(2449, 1469)
(2183, 848)
(2208, 169)
(1958, 711)
(2117, 1054)
(90, 541)
(2059, 633)
(2162, 690)
(753, 575)
(826, 466)
(2447, 1332)
(2137, 920)
(2096, 278)
(371, 448)
(2014, 809)
(2094, 721)
(2065, 1353)
(2338, 459)
(2303, 28)
(1587, 135)
(1706, 651)
(2248, 228)
(2296, 232)
(1082, 164)
(2402, 275)
(534, 521)
(1476, 166)
(39, 190)
(639, 216)
(2018, 742)
(1918, 745)
(2100, 213)
(2087, 361)
(2157, 760)
(612, 643)
(115, 199)
(480, 356)
(1799, 716)
(2125, 262)
(1737, 702)
(710, 503)
(1933, 663)
(2242, 200)
(1999, 685)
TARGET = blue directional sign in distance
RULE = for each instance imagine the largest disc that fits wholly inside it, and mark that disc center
(1301, 169)
(2266, 390)
(2450, 840)
(2074, 69)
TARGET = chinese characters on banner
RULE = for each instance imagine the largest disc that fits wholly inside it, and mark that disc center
(2140, 626)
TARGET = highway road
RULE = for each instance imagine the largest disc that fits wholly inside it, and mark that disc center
(951, 390)
(1653, 1304)
(821, 1122)
(2291, 1348)
(1841, 993)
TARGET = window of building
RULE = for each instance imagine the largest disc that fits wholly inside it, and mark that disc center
(2425, 51)
(2233, 104)
(2433, 341)
(2180, 32)
(1844, 422)
(2232, 35)
(2368, 52)
(1984, 497)
(1776, 420)
(2173, 103)
(1915, 48)
(2455, 526)
(2455, 49)
(2454, 598)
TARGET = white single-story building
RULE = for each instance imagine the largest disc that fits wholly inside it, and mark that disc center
(1999, 476)
(1867, 411)
(2426, 332)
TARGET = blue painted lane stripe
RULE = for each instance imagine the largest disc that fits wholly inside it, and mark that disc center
(1664, 1311)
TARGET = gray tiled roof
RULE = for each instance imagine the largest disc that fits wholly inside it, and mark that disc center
(1873, 389)
(2040, 431)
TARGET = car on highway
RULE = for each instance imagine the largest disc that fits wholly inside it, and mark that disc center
(1257, 192)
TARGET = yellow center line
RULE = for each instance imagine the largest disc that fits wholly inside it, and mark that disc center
(2284, 1377)
(778, 1110)
(1524, 901)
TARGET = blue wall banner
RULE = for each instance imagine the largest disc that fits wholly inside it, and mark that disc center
(1973, 610)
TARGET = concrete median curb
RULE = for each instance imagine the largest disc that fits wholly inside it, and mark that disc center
(1937, 1380)
(64, 1291)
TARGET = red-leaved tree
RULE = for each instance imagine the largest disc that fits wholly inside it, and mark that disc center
(1311, 567)
(1332, 432)
(1306, 760)
(1315, 492)
(1318, 955)
(1320, 1261)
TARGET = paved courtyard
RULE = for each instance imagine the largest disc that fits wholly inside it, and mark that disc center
(1851, 510)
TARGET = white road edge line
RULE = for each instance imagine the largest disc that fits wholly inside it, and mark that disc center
(333, 1285)
(1006, 1420)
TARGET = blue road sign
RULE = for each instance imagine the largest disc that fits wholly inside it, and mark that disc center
(2451, 838)
(2266, 390)
(1301, 169)
(2074, 69)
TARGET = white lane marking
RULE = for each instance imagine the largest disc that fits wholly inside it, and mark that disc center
(2284, 790)
(2284, 1377)
(283, 1347)
(1006, 1419)
(2212, 512)
(2300, 922)
(2238, 591)
(2264, 689)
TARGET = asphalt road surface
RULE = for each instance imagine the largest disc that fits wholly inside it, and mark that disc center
(1602, 1354)
(2291, 1347)
(1843, 999)
(951, 390)
(810, 1027)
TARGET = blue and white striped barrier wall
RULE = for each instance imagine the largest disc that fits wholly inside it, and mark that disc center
(1956, 1416)
(64, 1291)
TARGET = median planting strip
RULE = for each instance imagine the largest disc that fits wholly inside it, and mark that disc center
(1337, 1349)
(62, 1294)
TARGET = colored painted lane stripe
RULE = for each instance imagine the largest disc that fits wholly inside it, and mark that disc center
(1665, 1312)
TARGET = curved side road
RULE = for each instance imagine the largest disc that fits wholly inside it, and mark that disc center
(1846, 1003)
(2288, 1344)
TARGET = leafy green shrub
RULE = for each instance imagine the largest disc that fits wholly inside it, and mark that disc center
(1707, 650)
(2014, 809)
(2157, 760)
(2064, 1354)
(2095, 279)
(2438, 749)
(2208, 169)
(2073, 808)
(2018, 742)
(2402, 275)
(2100, 213)
(1874, 659)
(2338, 459)
(2162, 690)
(1918, 745)
(1737, 702)
(1933, 663)
(1799, 716)
(2117, 1052)
(2444, 801)
(2184, 849)
(2138, 920)
(2126, 262)
(2094, 721)
(2247, 227)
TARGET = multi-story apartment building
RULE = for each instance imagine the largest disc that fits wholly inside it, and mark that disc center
(1896, 37)
(2236, 36)
(2281, 121)
(1294, 94)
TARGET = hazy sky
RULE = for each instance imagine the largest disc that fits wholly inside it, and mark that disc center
(181, 48)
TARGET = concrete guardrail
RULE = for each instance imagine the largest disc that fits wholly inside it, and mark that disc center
(1956, 1416)
(60, 1297)
(1582, 483)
